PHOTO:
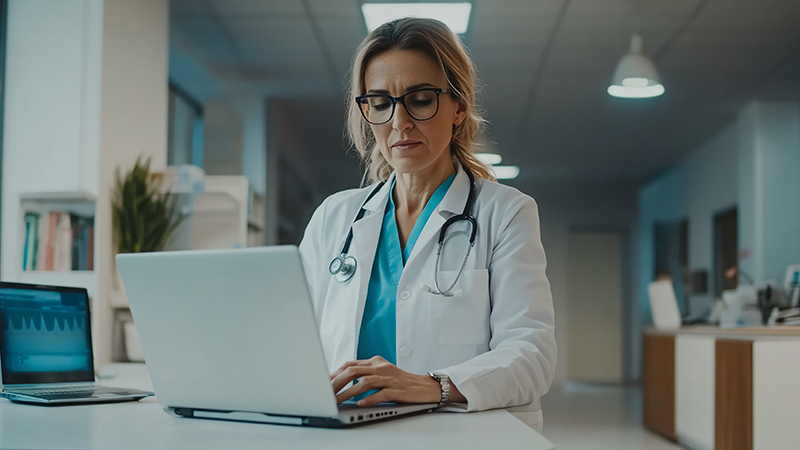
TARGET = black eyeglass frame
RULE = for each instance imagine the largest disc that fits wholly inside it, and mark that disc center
(401, 99)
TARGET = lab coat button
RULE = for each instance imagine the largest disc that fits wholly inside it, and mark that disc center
(405, 295)
(405, 352)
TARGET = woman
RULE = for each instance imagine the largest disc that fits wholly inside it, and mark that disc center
(472, 325)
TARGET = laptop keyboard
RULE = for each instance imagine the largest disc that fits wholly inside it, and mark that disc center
(73, 391)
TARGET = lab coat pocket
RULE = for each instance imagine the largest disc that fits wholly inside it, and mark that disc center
(464, 317)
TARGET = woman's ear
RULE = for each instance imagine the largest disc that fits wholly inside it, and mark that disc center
(461, 113)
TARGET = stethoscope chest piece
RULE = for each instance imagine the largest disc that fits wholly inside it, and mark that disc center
(343, 268)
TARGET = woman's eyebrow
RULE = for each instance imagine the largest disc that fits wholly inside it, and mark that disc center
(409, 89)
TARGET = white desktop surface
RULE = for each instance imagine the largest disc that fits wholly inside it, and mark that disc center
(144, 424)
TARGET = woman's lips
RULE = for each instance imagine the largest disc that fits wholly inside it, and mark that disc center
(405, 145)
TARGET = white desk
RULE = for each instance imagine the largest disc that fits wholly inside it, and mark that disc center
(144, 425)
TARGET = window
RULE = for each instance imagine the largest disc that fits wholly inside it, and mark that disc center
(185, 129)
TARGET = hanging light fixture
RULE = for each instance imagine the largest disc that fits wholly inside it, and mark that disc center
(636, 75)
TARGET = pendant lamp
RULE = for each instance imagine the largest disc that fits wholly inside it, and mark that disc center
(636, 75)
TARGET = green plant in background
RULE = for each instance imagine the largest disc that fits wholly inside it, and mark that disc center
(144, 217)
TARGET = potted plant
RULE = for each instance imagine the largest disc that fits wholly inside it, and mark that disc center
(144, 217)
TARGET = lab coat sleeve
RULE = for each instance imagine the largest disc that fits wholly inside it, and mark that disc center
(311, 249)
(518, 369)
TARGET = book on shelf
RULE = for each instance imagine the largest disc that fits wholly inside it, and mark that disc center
(30, 251)
(58, 241)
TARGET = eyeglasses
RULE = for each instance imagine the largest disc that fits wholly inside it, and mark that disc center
(421, 104)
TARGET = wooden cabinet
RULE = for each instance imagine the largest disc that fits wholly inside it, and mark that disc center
(658, 384)
(723, 389)
(733, 404)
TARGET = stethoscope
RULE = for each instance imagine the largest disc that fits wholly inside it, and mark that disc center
(343, 267)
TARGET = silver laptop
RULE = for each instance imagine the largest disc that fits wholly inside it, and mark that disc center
(46, 348)
(231, 334)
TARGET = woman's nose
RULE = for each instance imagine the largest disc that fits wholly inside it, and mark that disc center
(402, 121)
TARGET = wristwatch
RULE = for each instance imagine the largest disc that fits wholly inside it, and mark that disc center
(444, 381)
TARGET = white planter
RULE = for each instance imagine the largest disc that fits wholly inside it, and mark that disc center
(133, 346)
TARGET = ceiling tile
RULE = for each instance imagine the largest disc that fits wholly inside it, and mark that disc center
(512, 35)
(513, 59)
(498, 23)
(204, 39)
(667, 7)
(601, 9)
(341, 34)
(517, 7)
(346, 8)
(189, 8)
(257, 7)
(741, 15)
(268, 35)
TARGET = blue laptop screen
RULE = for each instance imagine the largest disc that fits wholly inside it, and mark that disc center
(45, 335)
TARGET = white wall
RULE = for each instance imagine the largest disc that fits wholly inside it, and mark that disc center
(769, 186)
(701, 185)
(222, 138)
(753, 164)
(254, 140)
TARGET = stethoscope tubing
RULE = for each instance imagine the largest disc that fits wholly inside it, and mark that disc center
(343, 267)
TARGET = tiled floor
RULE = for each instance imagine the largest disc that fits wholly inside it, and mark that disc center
(591, 417)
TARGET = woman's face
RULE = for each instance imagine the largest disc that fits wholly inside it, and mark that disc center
(412, 146)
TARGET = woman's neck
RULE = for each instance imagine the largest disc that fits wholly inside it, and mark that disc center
(412, 191)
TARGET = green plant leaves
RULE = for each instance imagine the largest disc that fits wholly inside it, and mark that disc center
(143, 217)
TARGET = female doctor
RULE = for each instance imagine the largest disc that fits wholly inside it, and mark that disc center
(407, 311)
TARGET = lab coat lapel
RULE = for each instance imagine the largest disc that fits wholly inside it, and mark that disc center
(452, 204)
(366, 233)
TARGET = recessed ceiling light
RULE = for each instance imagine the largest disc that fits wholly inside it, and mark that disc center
(489, 158)
(636, 75)
(505, 172)
(454, 15)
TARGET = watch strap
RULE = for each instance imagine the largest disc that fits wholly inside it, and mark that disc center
(444, 382)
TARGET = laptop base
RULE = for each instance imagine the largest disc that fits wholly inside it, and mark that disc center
(341, 421)
(75, 403)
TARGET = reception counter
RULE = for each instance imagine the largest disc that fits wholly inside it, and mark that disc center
(724, 389)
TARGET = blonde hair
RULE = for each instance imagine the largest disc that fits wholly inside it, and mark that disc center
(436, 40)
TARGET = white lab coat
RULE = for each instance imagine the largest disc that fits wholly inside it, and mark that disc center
(494, 338)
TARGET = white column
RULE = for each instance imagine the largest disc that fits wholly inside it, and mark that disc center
(133, 120)
(254, 140)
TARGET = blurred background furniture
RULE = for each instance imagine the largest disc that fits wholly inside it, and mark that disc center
(723, 389)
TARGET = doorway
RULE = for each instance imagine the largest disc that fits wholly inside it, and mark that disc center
(726, 251)
(595, 307)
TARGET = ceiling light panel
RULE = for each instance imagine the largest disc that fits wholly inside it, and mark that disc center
(505, 172)
(454, 15)
(489, 158)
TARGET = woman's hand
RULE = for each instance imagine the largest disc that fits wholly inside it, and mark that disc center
(392, 383)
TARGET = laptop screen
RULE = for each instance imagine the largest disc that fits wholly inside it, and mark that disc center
(46, 334)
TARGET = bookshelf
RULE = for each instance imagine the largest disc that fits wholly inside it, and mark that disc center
(41, 237)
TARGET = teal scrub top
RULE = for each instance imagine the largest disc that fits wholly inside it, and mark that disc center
(378, 325)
